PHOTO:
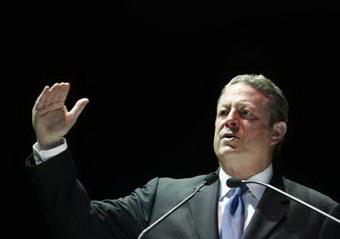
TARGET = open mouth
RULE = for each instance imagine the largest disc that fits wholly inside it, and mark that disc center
(229, 139)
(229, 136)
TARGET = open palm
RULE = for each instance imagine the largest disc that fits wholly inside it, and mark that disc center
(50, 118)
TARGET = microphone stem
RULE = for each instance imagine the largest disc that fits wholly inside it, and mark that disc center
(172, 210)
(294, 198)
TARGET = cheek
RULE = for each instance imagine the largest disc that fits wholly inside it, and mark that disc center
(216, 132)
(218, 125)
(258, 136)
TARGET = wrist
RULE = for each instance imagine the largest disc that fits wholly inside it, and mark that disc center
(50, 145)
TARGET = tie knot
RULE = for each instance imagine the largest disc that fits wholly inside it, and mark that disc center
(239, 190)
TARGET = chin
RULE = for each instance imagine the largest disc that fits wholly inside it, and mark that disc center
(228, 153)
(228, 156)
(228, 150)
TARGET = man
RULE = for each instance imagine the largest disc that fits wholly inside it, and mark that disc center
(251, 122)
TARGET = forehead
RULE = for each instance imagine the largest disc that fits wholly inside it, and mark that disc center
(242, 94)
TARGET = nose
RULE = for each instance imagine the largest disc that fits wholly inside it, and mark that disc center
(232, 121)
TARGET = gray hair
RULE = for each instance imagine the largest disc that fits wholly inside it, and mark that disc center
(277, 105)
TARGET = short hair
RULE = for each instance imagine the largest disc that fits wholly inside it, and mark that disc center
(277, 105)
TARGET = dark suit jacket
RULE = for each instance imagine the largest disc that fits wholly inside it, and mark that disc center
(71, 214)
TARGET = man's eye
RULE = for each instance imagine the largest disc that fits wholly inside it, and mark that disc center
(247, 113)
(223, 112)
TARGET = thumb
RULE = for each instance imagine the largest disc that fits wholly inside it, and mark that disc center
(78, 108)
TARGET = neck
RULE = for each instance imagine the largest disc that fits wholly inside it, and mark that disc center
(243, 171)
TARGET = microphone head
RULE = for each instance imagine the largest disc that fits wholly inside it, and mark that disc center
(210, 178)
(234, 182)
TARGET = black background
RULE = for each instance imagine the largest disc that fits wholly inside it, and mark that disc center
(153, 71)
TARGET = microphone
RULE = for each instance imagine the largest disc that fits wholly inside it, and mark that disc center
(209, 179)
(235, 182)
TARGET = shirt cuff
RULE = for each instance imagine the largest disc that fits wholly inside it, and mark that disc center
(41, 156)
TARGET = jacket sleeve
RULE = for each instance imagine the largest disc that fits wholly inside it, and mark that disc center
(331, 229)
(71, 214)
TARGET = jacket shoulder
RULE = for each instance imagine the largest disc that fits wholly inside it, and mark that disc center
(308, 194)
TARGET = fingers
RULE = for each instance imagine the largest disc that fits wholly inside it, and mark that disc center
(64, 89)
(39, 103)
(53, 94)
(58, 92)
(51, 97)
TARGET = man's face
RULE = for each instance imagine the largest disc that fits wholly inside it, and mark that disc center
(242, 138)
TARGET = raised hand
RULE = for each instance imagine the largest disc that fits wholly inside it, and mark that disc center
(50, 118)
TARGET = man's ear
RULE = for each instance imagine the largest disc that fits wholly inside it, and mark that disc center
(278, 133)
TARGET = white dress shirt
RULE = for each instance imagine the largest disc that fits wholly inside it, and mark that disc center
(251, 198)
(41, 156)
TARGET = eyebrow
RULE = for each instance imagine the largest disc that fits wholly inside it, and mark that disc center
(240, 103)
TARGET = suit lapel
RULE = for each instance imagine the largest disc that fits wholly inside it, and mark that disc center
(270, 212)
(203, 209)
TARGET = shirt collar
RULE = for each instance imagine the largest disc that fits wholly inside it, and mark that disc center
(257, 190)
